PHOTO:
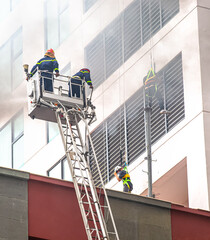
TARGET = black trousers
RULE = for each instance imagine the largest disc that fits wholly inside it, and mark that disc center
(150, 93)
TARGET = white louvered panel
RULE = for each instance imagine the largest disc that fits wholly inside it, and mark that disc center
(132, 29)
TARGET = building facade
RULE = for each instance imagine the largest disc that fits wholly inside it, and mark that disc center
(119, 41)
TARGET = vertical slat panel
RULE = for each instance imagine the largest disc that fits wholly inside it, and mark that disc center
(126, 34)
(132, 29)
(116, 138)
(94, 59)
(113, 46)
(99, 142)
(135, 125)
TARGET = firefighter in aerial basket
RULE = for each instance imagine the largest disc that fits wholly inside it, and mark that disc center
(47, 65)
(75, 83)
(121, 173)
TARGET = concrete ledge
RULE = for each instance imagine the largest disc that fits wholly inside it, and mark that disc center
(14, 173)
(138, 199)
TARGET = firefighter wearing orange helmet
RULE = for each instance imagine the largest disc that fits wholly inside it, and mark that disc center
(47, 65)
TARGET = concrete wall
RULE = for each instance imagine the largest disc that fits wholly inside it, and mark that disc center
(140, 217)
(44, 208)
(13, 205)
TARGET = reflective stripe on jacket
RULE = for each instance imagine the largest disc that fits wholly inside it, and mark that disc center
(82, 74)
(46, 63)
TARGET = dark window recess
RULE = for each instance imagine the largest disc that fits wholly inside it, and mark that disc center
(124, 129)
(126, 34)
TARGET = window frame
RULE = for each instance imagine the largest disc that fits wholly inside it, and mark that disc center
(60, 161)
(14, 140)
(58, 18)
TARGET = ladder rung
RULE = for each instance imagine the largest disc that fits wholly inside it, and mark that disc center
(79, 168)
(81, 177)
(89, 219)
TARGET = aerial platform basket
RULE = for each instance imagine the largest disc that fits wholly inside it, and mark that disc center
(42, 102)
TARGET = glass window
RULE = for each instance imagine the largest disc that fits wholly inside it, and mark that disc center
(64, 25)
(12, 143)
(57, 22)
(6, 7)
(60, 170)
(18, 126)
(11, 60)
(52, 24)
(66, 171)
(55, 172)
(17, 44)
(5, 63)
(17, 71)
(18, 153)
(53, 131)
(5, 146)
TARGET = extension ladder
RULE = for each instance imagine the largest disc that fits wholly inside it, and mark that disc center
(94, 204)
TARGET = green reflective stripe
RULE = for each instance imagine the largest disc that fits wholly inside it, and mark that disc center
(126, 184)
(89, 81)
(47, 61)
(56, 69)
(151, 70)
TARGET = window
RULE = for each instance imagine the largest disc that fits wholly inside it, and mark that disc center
(60, 170)
(7, 7)
(52, 131)
(57, 22)
(11, 63)
(126, 34)
(88, 4)
(12, 143)
(124, 130)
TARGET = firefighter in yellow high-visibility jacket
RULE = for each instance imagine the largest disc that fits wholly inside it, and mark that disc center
(121, 173)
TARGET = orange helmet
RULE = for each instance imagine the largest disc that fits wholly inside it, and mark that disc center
(50, 51)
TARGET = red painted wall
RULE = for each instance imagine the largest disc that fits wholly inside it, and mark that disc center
(189, 224)
(53, 211)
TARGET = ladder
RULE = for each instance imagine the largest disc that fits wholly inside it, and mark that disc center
(93, 202)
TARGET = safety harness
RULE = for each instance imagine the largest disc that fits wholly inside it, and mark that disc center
(126, 178)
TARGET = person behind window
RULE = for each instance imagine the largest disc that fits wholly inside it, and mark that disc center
(48, 64)
(75, 82)
(121, 173)
(151, 90)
